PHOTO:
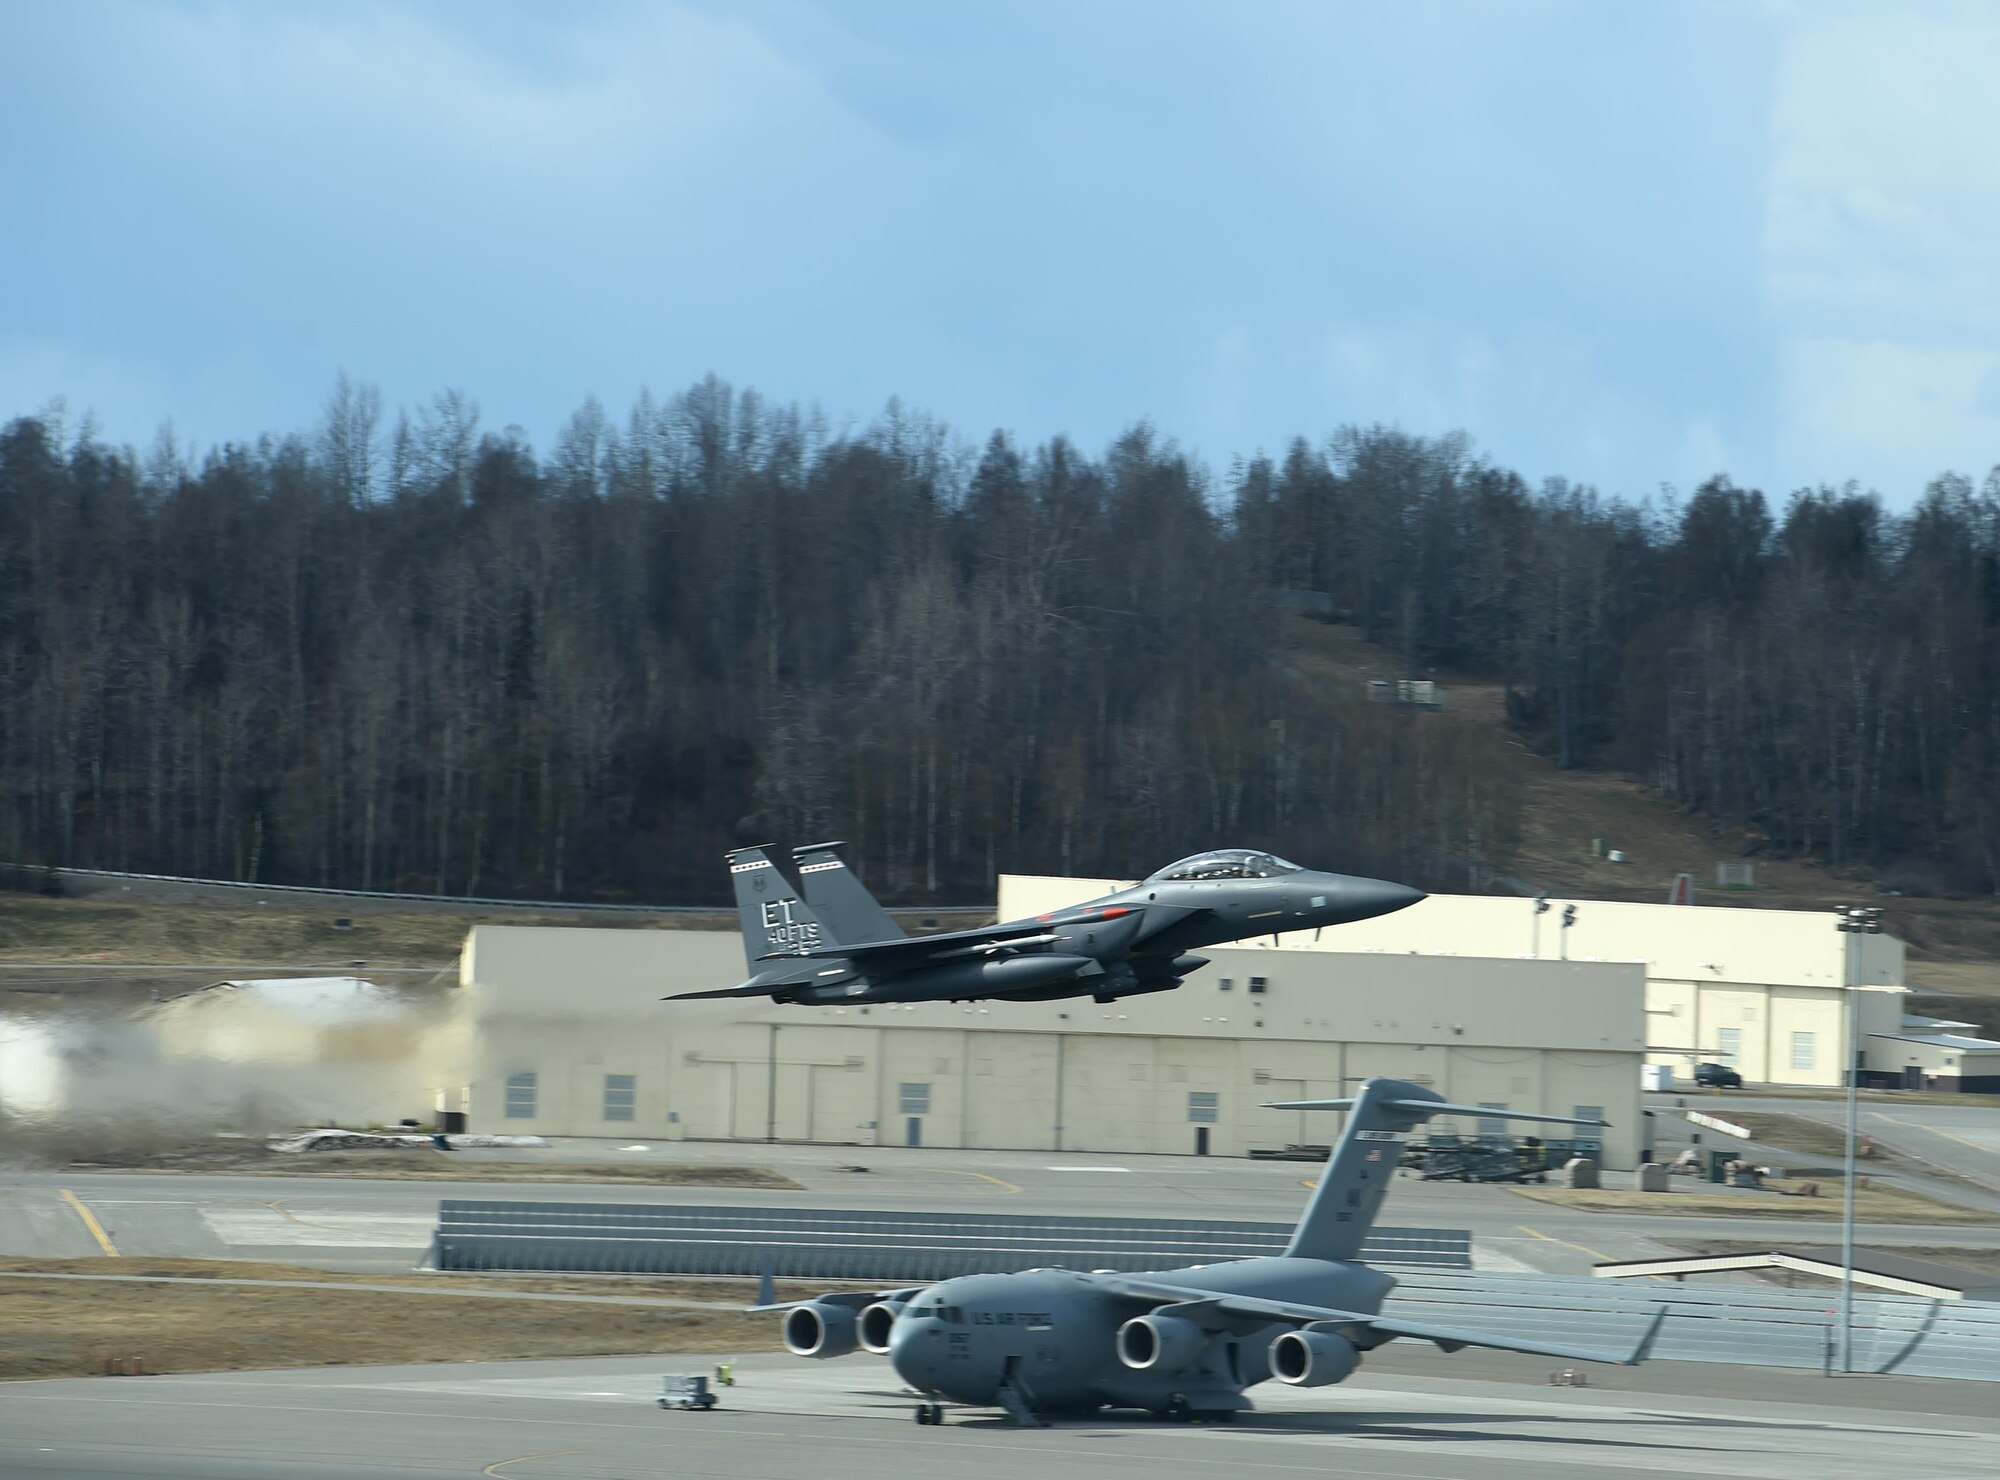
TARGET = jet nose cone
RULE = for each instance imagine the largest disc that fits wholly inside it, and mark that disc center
(907, 1344)
(1364, 899)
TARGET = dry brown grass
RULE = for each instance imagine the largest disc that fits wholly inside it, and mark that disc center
(726, 1291)
(290, 933)
(64, 1328)
(1795, 1133)
(437, 1166)
(1873, 1204)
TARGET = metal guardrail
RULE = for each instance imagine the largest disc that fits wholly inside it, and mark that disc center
(804, 1243)
(482, 902)
(1744, 1323)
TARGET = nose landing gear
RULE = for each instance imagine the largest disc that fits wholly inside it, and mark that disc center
(930, 1413)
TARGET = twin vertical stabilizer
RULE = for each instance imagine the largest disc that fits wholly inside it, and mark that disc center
(849, 913)
(774, 920)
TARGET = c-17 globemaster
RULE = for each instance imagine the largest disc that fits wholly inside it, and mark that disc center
(1182, 1343)
(837, 946)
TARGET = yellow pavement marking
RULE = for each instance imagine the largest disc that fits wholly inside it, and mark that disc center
(1919, 1125)
(520, 1459)
(1308, 1181)
(1552, 1239)
(283, 1212)
(997, 1182)
(90, 1221)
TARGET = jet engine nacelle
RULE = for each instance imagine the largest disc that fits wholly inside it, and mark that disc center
(819, 1330)
(1312, 1358)
(1160, 1343)
(873, 1325)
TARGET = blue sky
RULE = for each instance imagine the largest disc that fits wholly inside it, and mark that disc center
(1630, 245)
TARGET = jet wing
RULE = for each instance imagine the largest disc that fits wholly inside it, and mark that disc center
(920, 950)
(1216, 1307)
(859, 1299)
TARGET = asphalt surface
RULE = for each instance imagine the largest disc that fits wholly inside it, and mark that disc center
(373, 1226)
(1963, 1140)
(1958, 1174)
(1412, 1412)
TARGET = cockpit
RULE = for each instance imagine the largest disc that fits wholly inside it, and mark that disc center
(1227, 863)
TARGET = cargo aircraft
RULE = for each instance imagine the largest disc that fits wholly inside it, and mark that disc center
(1183, 1344)
(838, 947)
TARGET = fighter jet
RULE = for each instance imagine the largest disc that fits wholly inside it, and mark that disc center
(1183, 1344)
(837, 946)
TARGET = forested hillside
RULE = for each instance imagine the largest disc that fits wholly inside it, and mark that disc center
(419, 655)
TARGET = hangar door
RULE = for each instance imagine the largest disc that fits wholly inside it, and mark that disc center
(1010, 1100)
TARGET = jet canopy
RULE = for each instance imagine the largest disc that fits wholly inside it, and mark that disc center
(1227, 863)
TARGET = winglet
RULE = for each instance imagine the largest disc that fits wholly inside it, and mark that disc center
(766, 1286)
(1644, 1349)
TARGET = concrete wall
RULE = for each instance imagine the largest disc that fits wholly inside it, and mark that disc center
(572, 1006)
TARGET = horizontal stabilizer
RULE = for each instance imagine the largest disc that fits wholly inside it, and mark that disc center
(1435, 1107)
(744, 991)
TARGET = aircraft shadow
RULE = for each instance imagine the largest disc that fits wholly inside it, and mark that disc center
(1414, 1427)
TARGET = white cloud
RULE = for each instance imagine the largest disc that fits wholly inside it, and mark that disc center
(664, 90)
(1882, 245)
(1890, 413)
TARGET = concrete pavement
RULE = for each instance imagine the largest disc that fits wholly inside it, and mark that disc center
(367, 1225)
(1411, 1414)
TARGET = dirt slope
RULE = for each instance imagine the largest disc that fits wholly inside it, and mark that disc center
(1954, 944)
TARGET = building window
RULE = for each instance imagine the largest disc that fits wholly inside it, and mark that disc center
(1490, 1125)
(1204, 1106)
(521, 1096)
(1226, 984)
(1259, 986)
(1729, 1045)
(1805, 1050)
(621, 1096)
(915, 1099)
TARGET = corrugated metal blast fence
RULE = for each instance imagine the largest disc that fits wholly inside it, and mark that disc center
(1746, 1322)
(823, 1243)
(1742, 1322)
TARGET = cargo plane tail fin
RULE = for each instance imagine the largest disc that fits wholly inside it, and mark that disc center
(1350, 1191)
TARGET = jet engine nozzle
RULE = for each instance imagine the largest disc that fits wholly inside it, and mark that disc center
(819, 1330)
(1160, 1343)
(1313, 1358)
(875, 1323)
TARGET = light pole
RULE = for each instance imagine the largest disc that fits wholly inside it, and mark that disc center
(1541, 909)
(1569, 919)
(1853, 922)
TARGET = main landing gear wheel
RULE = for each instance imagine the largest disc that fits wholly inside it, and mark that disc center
(1177, 1410)
(930, 1413)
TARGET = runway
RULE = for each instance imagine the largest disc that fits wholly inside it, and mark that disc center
(1413, 1413)
(364, 1225)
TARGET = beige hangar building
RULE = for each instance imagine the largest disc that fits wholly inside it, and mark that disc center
(570, 1037)
(1479, 998)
